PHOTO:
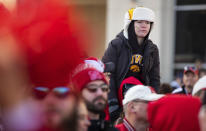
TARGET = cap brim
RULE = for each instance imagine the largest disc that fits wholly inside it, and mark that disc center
(153, 97)
(195, 72)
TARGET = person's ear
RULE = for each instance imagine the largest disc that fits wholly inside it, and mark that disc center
(131, 107)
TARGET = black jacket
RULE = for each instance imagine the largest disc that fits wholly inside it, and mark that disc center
(117, 59)
(101, 125)
(181, 90)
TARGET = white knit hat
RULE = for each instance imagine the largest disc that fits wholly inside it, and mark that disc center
(199, 85)
(140, 92)
(139, 13)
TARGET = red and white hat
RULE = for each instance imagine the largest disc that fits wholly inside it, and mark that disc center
(85, 75)
(192, 69)
(96, 63)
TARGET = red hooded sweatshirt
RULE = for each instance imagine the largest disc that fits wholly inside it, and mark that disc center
(129, 80)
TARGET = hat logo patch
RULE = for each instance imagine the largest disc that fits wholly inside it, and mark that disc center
(94, 75)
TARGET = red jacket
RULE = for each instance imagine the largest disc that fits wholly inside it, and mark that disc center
(125, 126)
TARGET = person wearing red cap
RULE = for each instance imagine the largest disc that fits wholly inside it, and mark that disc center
(93, 86)
(48, 35)
(190, 77)
(16, 109)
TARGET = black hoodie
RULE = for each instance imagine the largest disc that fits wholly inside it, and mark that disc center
(117, 60)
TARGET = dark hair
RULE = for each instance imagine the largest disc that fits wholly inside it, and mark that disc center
(131, 33)
(165, 89)
(202, 71)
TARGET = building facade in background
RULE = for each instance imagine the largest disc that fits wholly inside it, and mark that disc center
(178, 31)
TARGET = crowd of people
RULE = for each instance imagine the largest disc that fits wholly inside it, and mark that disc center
(48, 83)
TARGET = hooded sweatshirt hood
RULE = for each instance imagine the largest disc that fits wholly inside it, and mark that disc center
(130, 80)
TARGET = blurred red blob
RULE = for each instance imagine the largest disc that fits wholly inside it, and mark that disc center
(53, 45)
(4, 15)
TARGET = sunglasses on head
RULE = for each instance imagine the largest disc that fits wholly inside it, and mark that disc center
(190, 68)
(94, 88)
(59, 92)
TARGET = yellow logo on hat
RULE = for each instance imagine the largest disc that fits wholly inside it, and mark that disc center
(130, 11)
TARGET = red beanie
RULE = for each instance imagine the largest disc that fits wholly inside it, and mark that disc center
(174, 113)
(50, 41)
(84, 76)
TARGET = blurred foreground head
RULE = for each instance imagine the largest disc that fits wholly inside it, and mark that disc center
(174, 113)
(82, 118)
(47, 31)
